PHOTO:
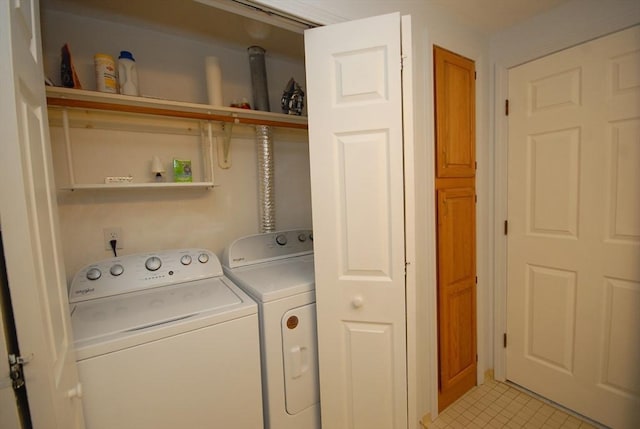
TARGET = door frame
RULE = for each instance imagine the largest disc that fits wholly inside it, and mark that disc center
(9, 412)
(501, 130)
(603, 25)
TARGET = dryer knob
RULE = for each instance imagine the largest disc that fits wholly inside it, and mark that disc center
(94, 274)
(153, 263)
(203, 258)
(281, 239)
(185, 260)
(116, 270)
(302, 238)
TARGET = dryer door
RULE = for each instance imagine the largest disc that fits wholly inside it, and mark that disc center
(299, 348)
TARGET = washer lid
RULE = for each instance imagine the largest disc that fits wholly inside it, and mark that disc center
(118, 316)
(269, 281)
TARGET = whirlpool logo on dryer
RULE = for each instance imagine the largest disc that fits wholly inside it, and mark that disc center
(85, 291)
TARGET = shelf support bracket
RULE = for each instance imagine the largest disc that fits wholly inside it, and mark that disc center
(67, 145)
(224, 147)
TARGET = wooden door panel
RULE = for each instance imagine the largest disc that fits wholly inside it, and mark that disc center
(454, 80)
(456, 292)
(455, 114)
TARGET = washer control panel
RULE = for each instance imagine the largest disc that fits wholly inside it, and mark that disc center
(141, 271)
(269, 246)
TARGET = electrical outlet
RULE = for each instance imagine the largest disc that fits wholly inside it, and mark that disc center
(114, 233)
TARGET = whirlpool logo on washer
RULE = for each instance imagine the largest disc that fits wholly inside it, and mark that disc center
(85, 291)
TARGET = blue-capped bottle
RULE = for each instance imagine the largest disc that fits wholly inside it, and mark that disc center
(128, 74)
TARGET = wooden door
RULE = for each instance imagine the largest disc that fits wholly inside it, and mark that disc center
(456, 224)
(455, 114)
(29, 214)
(457, 294)
(356, 153)
(573, 292)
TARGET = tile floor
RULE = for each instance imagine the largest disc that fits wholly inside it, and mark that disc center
(499, 405)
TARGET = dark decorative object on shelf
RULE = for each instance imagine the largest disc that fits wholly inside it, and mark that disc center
(292, 100)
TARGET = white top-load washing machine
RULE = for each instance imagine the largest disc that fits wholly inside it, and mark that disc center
(163, 341)
(276, 269)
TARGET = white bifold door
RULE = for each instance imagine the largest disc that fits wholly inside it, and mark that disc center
(354, 82)
(29, 213)
(573, 292)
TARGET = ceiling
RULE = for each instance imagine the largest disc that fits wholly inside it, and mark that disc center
(191, 18)
(492, 16)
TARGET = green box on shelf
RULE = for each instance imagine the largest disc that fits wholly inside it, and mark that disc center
(182, 170)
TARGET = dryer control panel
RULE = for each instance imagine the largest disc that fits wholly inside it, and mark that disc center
(141, 271)
(268, 246)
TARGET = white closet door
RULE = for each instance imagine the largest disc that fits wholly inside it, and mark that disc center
(356, 151)
(573, 295)
(29, 213)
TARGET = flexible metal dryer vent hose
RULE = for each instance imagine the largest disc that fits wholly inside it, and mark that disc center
(266, 189)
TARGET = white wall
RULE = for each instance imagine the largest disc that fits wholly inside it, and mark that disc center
(570, 24)
(169, 67)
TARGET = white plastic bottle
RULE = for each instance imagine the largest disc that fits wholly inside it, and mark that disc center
(128, 74)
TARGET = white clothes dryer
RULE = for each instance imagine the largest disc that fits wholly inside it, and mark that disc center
(276, 270)
(163, 340)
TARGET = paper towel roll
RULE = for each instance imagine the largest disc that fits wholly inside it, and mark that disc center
(214, 80)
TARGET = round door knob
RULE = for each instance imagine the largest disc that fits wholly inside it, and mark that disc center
(203, 258)
(93, 274)
(185, 260)
(116, 270)
(357, 302)
(75, 392)
(153, 263)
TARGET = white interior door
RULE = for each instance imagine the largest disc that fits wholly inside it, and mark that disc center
(28, 210)
(573, 292)
(356, 152)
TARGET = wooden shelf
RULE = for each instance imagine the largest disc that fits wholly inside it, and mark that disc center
(76, 99)
(92, 100)
(119, 186)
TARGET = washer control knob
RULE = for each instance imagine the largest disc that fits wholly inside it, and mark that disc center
(153, 263)
(302, 238)
(281, 239)
(93, 274)
(116, 270)
(185, 260)
(203, 258)
(311, 236)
